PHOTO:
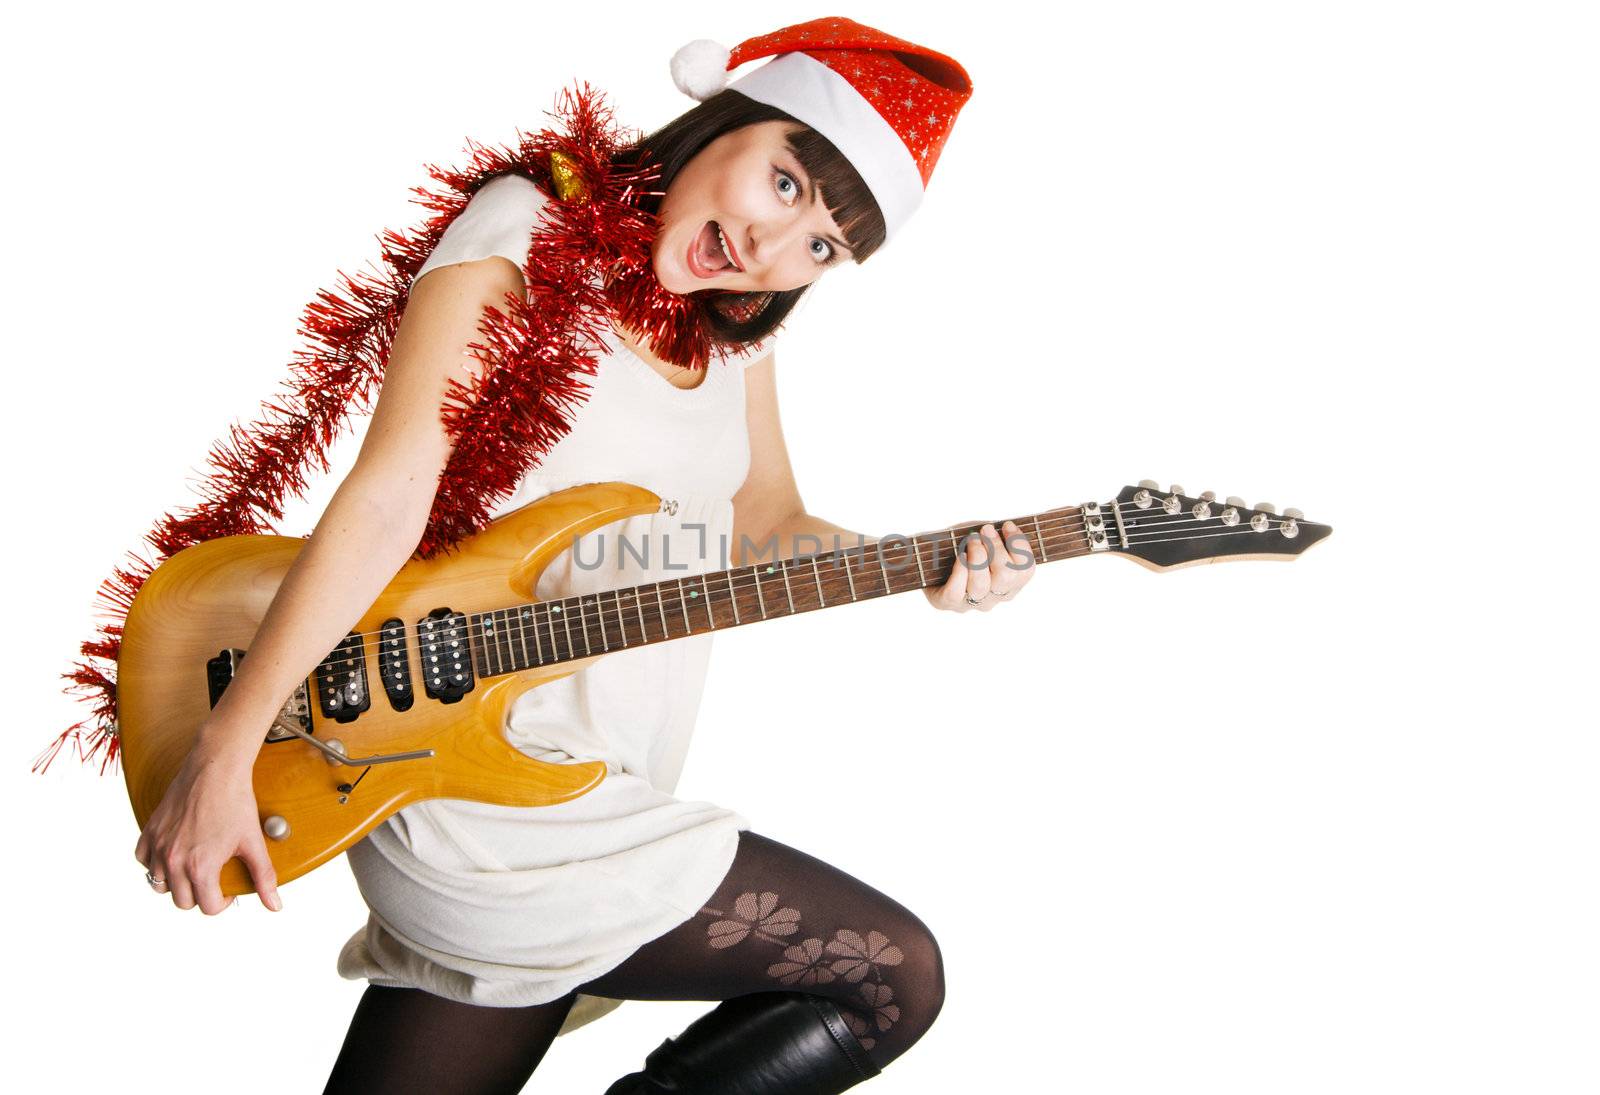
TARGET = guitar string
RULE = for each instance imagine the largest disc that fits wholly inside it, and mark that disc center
(694, 598)
(1054, 525)
(1149, 532)
(676, 601)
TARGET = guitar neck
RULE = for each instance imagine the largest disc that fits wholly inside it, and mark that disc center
(520, 637)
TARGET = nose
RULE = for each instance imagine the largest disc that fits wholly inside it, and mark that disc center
(768, 241)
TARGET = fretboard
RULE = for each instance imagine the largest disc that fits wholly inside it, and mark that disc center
(519, 637)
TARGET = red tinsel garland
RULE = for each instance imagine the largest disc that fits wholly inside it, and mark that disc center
(588, 264)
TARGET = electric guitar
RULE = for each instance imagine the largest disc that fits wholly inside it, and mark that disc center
(411, 704)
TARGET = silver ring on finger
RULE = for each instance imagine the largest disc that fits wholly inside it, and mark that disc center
(975, 601)
(156, 884)
(1000, 592)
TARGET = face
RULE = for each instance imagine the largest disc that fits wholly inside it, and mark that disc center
(779, 232)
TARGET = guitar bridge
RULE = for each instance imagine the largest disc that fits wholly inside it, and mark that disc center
(220, 672)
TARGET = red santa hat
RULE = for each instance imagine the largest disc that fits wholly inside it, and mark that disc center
(887, 104)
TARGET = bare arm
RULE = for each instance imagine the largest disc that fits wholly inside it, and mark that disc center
(368, 531)
(767, 510)
(377, 515)
(769, 514)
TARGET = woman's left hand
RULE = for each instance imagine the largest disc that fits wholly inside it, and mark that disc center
(987, 572)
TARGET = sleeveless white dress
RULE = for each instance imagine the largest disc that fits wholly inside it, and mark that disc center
(511, 906)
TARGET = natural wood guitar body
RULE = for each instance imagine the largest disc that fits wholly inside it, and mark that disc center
(213, 596)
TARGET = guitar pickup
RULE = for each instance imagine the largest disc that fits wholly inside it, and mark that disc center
(445, 646)
(397, 683)
(342, 681)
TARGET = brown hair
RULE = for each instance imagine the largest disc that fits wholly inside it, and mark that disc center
(750, 317)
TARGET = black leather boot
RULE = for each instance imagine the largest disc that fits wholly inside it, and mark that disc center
(766, 1043)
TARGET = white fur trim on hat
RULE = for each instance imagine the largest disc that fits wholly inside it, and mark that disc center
(822, 99)
(700, 69)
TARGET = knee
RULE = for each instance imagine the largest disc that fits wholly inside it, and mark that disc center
(920, 980)
(933, 961)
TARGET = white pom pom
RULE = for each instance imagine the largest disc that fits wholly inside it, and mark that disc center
(700, 69)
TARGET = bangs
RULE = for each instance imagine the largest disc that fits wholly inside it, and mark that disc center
(841, 188)
(746, 319)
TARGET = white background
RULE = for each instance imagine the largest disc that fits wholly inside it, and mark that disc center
(1321, 827)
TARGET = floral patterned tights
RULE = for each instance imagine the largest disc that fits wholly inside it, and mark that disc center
(781, 919)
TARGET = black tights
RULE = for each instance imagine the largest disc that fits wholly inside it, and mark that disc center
(781, 919)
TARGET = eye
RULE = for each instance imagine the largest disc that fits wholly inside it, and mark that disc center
(785, 177)
(828, 255)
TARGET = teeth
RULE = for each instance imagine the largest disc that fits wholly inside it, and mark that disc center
(723, 240)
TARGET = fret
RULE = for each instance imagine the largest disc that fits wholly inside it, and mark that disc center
(538, 649)
(522, 636)
(1044, 553)
(761, 601)
(550, 610)
(485, 643)
(705, 590)
(661, 609)
(883, 568)
(916, 551)
(683, 603)
(622, 619)
(497, 661)
(848, 577)
(822, 602)
(733, 596)
(783, 568)
(638, 606)
(479, 645)
(508, 633)
(583, 623)
(502, 640)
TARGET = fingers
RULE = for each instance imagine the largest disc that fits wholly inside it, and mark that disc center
(980, 552)
(950, 592)
(1013, 563)
(178, 885)
(205, 883)
(989, 568)
(262, 872)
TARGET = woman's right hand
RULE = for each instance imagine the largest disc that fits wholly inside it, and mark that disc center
(207, 817)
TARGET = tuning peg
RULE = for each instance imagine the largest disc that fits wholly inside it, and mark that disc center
(1174, 489)
(1235, 500)
(1149, 484)
(1265, 507)
(1294, 514)
(1208, 496)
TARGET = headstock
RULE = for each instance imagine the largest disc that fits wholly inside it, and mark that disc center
(1168, 529)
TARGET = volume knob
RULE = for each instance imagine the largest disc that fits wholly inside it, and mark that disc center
(276, 828)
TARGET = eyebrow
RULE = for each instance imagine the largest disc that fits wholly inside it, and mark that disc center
(805, 177)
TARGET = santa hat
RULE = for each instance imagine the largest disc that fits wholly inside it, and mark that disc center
(885, 103)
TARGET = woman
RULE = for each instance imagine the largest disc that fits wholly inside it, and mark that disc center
(488, 922)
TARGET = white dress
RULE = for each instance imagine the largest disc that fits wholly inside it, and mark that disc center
(511, 906)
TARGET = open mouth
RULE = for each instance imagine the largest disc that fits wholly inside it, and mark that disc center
(708, 254)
